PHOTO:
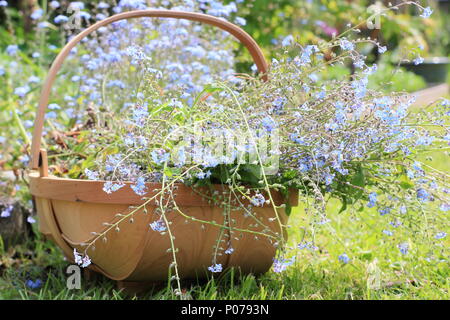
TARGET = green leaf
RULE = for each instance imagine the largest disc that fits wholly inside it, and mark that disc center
(344, 204)
(288, 208)
(88, 163)
(74, 172)
(358, 180)
(168, 172)
(251, 174)
(208, 89)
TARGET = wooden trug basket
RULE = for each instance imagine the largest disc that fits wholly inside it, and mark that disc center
(70, 210)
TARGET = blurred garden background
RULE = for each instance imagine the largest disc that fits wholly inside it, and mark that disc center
(356, 262)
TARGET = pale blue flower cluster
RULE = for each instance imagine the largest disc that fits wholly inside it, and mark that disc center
(216, 268)
(280, 265)
(344, 258)
(258, 200)
(158, 226)
(6, 212)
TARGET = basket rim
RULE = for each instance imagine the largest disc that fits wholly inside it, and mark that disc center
(91, 191)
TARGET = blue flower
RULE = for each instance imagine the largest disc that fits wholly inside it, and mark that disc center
(240, 21)
(396, 223)
(197, 51)
(329, 177)
(76, 5)
(93, 64)
(100, 16)
(102, 5)
(220, 10)
(258, 200)
(213, 55)
(418, 60)
(268, 123)
(388, 232)
(28, 123)
(139, 186)
(307, 245)
(210, 161)
(305, 56)
(51, 115)
(84, 15)
(426, 12)
(55, 4)
(295, 137)
(158, 226)
(422, 195)
(43, 24)
(132, 4)
(160, 156)
(91, 175)
(360, 87)
(24, 159)
(140, 114)
(279, 103)
(287, 41)
(403, 247)
(230, 250)
(61, 19)
(323, 221)
(54, 106)
(203, 175)
(136, 53)
(110, 187)
(372, 200)
(344, 258)
(174, 103)
(7, 211)
(81, 261)
(321, 94)
(440, 235)
(3, 3)
(382, 50)
(215, 268)
(359, 63)
(116, 83)
(12, 49)
(37, 14)
(424, 140)
(346, 45)
(282, 264)
(31, 220)
(33, 79)
(21, 91)
(33, 284)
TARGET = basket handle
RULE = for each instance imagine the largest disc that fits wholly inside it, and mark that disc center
(237, 32)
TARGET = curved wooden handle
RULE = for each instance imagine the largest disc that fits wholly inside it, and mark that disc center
(237, 32)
